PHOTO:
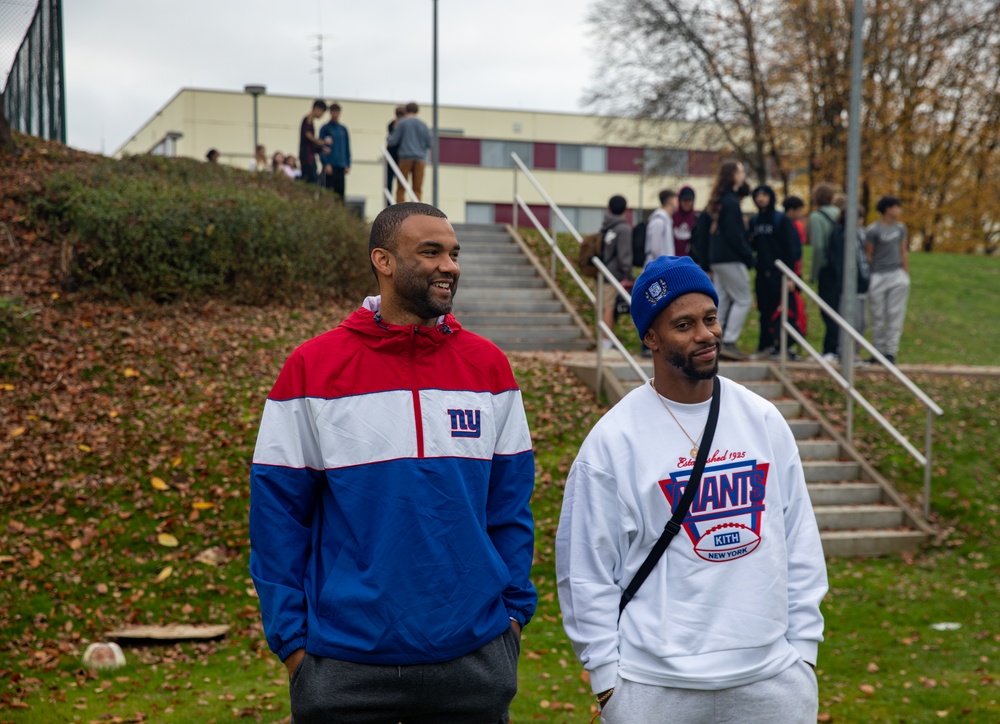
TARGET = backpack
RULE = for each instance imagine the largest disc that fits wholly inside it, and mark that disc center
(836, 247)
(864, 269)
(591, 246)
(639, 244)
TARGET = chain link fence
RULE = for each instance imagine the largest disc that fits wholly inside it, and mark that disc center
(31, 57)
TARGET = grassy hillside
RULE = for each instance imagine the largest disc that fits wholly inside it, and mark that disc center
(126, 431)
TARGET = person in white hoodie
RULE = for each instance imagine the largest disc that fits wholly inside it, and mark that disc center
(729, 620)
(660, 228)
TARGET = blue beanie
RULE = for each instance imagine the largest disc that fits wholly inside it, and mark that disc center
(663, 280)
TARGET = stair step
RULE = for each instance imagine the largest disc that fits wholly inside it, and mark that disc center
(788, 408)
(819, 449)
(524, 345)
(844, 493)
(507, 306)
(855, 517)
(768, 389)
(744, 371)
(499, 271)
(817, 471)
(852, 543)
(480, 282)
(517, 321)
(804, 429)
(494, 332)
(504, 294)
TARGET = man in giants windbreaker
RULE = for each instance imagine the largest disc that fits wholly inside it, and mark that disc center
(391, 538)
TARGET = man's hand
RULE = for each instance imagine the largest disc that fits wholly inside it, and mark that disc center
(516, 626)
(347, 170)
(328, 169)
(293, 660)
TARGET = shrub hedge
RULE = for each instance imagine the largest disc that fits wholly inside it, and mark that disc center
(172, 228)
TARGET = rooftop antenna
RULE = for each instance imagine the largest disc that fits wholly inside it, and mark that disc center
(318, 48)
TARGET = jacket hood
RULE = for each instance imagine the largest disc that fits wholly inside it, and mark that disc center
(396, 338)
(772, 198)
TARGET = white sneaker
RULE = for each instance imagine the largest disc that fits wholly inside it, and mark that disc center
(606, 344)
(831, 357)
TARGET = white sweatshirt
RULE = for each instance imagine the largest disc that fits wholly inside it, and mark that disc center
(735, 598)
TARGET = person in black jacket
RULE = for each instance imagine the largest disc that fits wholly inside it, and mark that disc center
(730, 256)
(616, 254)
(772, 237)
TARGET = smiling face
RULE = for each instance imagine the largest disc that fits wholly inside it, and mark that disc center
(422, 271)
(685, 340)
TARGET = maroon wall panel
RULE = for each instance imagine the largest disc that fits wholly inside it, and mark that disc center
(703, 163)
(545, 155)
(503, 214)
(624, 159)
(460, 151)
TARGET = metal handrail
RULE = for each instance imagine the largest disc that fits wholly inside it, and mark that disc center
(603, 276)
(400, 178)
(847, 383)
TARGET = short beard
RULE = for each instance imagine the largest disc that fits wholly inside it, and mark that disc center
(686, 365)
(414, 292)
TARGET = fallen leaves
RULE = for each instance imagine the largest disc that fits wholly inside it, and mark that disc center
(159, 483)
(167, 540)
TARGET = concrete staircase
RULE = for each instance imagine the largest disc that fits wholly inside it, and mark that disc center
(859, 512)
(504, 296)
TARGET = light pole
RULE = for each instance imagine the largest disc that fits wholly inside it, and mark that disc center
(434, 136)
(255, 90)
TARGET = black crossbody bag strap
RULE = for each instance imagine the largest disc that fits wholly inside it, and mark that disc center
(674, 524)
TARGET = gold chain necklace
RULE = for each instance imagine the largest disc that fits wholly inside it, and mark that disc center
(694, 445)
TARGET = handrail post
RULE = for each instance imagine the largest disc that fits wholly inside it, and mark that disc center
(783, 334)
(928, 441)
(598, 316)
(514, 203)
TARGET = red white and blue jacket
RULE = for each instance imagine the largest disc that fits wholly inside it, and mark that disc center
(390, 488)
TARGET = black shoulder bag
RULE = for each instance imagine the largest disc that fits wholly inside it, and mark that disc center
(674, 524)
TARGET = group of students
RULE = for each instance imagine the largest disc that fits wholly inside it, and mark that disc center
(727, 245)
(279, 164)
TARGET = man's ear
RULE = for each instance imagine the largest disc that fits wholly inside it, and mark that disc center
(382, 261)
(651, 340)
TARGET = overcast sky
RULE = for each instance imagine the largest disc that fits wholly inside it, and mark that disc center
(126, 58)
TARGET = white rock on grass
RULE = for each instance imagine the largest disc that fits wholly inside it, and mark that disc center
(104, 655)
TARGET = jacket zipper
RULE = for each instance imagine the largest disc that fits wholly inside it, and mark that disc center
(416, 393)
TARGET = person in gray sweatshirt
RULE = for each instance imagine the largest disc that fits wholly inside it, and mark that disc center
(414, 140)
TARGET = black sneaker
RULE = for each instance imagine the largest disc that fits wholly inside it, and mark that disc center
(891, 358)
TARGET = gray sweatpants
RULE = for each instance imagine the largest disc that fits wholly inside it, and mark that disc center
(732, 282)
(887, 295)
(474, 689)
(791, 697)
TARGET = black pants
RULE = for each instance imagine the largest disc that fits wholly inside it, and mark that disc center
(309, 174)
(474, 689)
(335, 181)
(767, 287)
(829, 292)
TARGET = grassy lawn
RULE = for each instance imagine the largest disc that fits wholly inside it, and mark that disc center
(119, 425)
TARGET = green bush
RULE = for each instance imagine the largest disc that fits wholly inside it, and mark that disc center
(172, 228)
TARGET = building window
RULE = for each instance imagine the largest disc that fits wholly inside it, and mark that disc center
(496, 154)
(666, 162)
(585, 220)
(479, 213)
(592, 159)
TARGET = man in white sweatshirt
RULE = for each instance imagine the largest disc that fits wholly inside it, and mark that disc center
(728, 621)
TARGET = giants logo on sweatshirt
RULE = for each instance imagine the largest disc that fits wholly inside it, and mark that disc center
(724, 520)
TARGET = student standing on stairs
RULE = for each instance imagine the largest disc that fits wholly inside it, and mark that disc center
(616, 255)
(391, 537)
(728, 619)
